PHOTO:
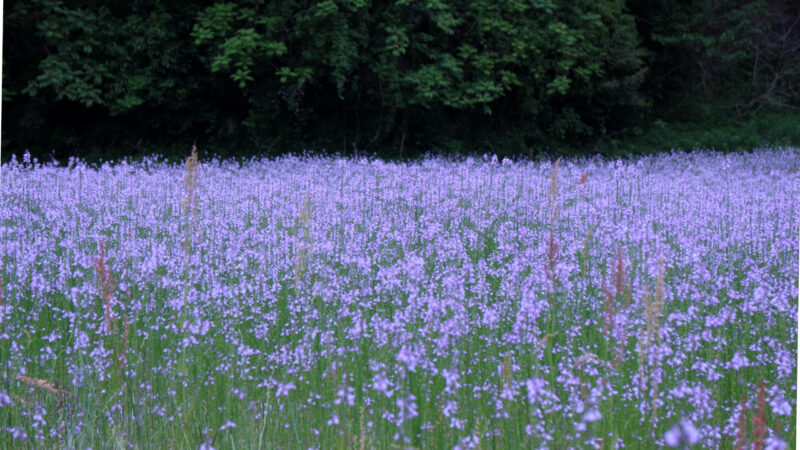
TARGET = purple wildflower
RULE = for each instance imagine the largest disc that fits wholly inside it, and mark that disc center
(284, 389)
(682, 433)
(226, 425)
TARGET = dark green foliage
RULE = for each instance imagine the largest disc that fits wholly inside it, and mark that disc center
(106, 80)
(767, 129)
(739, 55)
(439, 74)
(113, 79)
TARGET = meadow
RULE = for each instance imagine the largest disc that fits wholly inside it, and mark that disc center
(307, 302)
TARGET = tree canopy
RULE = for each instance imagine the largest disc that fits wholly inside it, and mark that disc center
(110, 79)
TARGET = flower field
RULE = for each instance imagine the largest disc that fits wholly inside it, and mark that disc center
(352, 303)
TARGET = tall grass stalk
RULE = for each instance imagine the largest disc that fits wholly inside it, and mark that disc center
(551, 266)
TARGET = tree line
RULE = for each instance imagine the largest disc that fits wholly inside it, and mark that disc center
(102, 79)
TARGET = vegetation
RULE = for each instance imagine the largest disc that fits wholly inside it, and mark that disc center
(358, 304)
(112, 79)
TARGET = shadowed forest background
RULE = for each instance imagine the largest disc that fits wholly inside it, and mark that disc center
(100, 79)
